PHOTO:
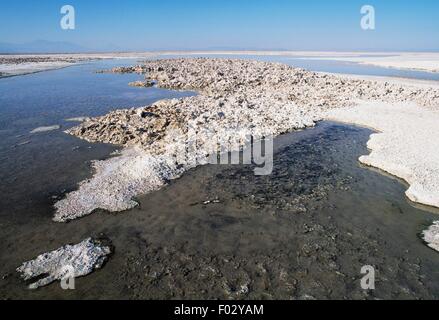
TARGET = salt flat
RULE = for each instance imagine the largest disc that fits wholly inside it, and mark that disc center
(406, 61)
(242, 97)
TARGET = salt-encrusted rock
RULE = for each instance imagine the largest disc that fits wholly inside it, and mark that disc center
(81, 259)
(431, 236)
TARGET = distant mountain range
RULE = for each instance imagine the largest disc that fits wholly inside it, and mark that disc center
(44, 46)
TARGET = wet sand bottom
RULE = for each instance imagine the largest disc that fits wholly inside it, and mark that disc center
(303, 232)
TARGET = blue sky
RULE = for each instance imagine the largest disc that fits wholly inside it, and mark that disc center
(233, 24)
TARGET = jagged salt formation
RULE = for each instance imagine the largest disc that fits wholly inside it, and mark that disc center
(70, 260)
(115, 182)
(237, 98)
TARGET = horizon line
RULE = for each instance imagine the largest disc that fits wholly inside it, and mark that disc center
(216, 51)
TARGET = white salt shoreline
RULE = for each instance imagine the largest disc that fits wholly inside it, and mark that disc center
(420, 83)
(29, 68)
(405, 146)
(12, 65)
(412, 61)
(17, 65)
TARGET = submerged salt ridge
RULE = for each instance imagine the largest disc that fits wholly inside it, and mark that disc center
(238, 96)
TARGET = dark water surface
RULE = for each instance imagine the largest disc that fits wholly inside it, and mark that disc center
(303, 232)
